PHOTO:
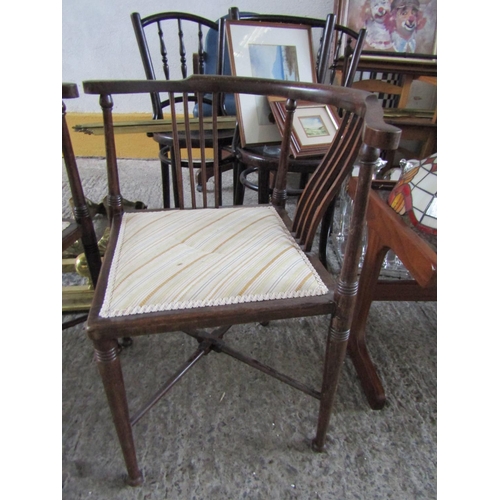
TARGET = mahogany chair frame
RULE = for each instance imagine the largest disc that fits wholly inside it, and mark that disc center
(362, 134)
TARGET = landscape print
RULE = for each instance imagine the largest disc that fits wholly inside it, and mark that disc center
(274, 61)
(278, 62)
(313, 126)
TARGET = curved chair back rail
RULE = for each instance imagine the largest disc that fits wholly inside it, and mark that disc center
(362, 122)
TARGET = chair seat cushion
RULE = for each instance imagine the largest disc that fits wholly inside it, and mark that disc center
(180, 259)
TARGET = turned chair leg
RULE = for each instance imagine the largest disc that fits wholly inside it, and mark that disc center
(334, 359)
(108, 363)
(344, 299)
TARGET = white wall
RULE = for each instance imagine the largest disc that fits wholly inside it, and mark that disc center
(98, 41)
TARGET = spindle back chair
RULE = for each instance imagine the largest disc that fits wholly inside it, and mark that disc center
(201, 270)
(172, 45)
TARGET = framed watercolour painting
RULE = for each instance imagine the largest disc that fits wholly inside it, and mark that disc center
(266, 50)
(393, 26)
(313, 129)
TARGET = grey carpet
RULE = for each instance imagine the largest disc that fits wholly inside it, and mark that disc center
(230, 432)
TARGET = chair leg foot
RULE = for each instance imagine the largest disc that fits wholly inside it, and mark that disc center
(108, 363)
(135, 481)
(367, 373)
(334, 360)
(316, 447)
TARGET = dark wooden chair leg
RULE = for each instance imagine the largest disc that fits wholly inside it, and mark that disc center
(357, 349)
(334, 360)
(239, 187)
(263, 186)
(326, 224)
(304, 177)
(108, 363)
(165, 183)
(344, 300)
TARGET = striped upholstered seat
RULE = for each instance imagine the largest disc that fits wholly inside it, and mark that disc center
(171, 260)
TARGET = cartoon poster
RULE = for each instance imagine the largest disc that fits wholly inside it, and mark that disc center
(394, 25)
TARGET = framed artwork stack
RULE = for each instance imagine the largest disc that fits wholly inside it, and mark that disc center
(313, 129)
(267, 50)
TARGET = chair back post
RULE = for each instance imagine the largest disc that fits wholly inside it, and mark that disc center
(221, 54)
(147, 62)
(351, 62)
(233, 13)
(80, 208)
(114, 198)
(347, 285)
(325, 47)
(75, 184)
(278, 197)
(345, 36)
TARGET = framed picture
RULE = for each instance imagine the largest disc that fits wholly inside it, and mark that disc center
(393, 26)
(313, 128)
(266, 50)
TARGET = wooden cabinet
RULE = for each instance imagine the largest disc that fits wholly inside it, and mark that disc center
(394, 79)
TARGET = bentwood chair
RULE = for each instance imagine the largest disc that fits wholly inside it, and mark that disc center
(200, 269)
(81, 228)
(173, 45)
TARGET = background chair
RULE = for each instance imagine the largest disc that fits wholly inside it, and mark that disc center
(192, 270)
(81, 228)
(334, 41)
(176, 57)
